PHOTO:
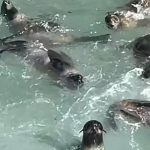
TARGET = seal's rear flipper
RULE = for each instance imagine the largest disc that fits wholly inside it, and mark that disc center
(110, 114)
(17, 45)
(99, 38)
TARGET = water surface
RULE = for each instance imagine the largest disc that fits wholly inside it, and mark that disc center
(35, 114)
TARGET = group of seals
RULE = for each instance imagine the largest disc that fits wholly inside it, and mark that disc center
(134, 14)
(133, 109)
(26, 31)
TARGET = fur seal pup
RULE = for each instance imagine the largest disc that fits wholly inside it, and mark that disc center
(19, 22)
(92, 136)
(138, 111)
(130, 16)
(126, 20)
(46, 61)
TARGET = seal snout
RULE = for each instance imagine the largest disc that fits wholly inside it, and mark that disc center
(6, 5)
(112, 21)
(93, 127)
(75, 79)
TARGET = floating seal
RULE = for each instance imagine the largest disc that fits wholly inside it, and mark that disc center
(46, 61)
(130, 16)
(92, 136)
(126, 20)
(20, 23)
(141, 51)
(138, 111)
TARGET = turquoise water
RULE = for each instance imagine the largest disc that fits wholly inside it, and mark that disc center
(35, 114)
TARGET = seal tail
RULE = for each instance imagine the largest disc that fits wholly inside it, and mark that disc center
(110, 114)
(99, 38)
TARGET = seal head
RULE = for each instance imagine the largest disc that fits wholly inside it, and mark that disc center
(135, 110)
(8, 10)
(74, 79)
(63, 65)
(113, 21)
(92, 135)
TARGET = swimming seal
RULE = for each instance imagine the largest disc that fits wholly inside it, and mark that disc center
(138, 111)
(92, 136)
(130, 16)
(126, 20)
(46, 61)
(141, 46)
(20, 23)
(141, 51)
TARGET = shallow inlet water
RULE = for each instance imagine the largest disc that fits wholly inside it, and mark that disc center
(35, 114)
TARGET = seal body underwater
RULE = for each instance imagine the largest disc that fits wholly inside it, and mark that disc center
(141, 51)
(92, 136)
(135, 110)
(141, 46)
(46, 61)
(19, 22)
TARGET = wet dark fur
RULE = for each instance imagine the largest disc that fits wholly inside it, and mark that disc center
(133, 109)
(141, 51)
(91, 137)
(124, 22)
(30, 28)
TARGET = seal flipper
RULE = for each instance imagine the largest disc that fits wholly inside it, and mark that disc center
(99, 38)
(146, 71)
(18, 45)
(110, 114)
(143, 22)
